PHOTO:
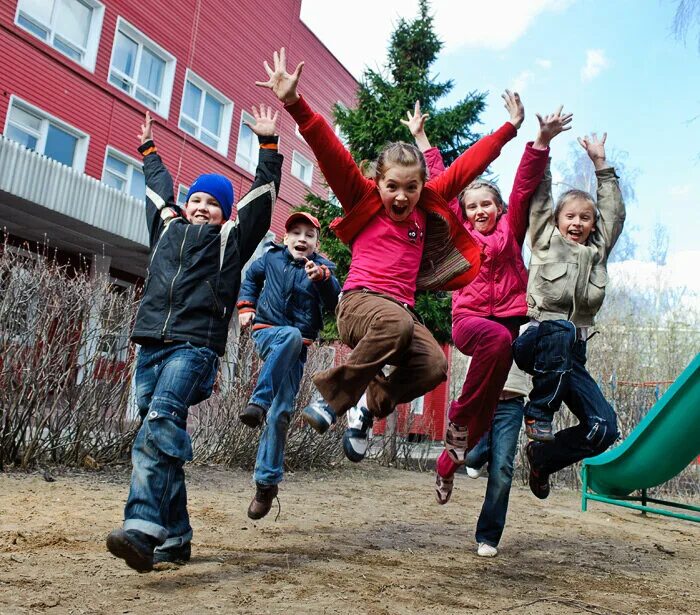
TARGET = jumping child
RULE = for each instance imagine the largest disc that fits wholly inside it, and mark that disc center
(182, 323)
(403, 237)
(568, 274)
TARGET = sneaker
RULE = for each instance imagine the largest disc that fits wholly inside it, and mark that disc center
(175, 555)
(252, 415)
(443, 488)
(456, 443)
(540, 431)
(134, 547)
(538, 480)
(356, 437)
(262, 501)
(485, 550)
(476, 472)
(319, 415)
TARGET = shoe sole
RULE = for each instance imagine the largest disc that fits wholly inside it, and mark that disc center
(120, 547)
(530, 480)
(315, 421)
(350, 452)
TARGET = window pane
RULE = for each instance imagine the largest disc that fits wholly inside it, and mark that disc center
(117, 165)
(26, 119)
(182, 196)
(38, 9)
(151, 72)
(120, 83)
(209, 140)
(69, 50)
(26, 139)
(124, 56)
(138, 185)
(42, 33)
(245, 141)
(213, 110)
(146, 98)
(73, 21)
(188, 127)
(113, 180)
(60, 145)
(193, 97)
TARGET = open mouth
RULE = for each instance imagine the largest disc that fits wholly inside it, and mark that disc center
(575, 235)
(399, 210)
(300, 249)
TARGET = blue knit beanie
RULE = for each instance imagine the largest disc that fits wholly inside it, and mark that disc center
(218, 186)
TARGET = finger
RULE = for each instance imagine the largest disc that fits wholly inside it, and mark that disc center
(417, 108)
(405, 122)
(283, 58)
(605, 136)
(297, 72)
(539, 119)
(409, 116)
(559, 110)
(276, 59)
(274, 117)
(582, 142)
(563, 128)
(594, 137)
(425, 116)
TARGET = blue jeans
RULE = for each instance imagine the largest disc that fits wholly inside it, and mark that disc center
(284, 356)
(169, 379)
(497, 448)
(557, 362)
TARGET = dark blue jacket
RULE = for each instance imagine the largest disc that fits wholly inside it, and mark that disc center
(277, 288)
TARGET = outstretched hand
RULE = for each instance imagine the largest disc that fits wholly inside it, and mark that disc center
(514, 107)
(265, 121)
(416, 120)
(595, 148)
(146, 129)
(550, 126)
(282, 83)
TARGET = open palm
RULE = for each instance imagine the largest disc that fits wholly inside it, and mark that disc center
(282, 83)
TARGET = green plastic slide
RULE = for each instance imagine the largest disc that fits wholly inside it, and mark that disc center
(665, 442)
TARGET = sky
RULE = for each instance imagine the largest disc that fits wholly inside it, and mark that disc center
(614, 63)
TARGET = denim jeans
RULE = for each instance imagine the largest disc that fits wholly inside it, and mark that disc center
(169, 379)
(557, 362)
(497, 448)
(284, 356)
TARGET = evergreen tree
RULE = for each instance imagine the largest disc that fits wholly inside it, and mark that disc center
(382, 100)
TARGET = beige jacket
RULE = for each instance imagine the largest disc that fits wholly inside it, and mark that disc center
(567, 280)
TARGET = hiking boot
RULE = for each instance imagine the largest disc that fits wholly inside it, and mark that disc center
(443, 488)
(252, 415)
(485, 550)
(262, 501)
(538, 480)
(134, 547)
(174, 555)
(456, 443)
(319, 415)
(356, 437)
(540, 431)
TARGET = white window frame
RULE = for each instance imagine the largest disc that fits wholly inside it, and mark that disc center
(418, 406)
(296, 156)
(226, 115)
(163, 106)
(131, 163)
(89, 52)
(83, 139)
(181, 189)
(242, 160)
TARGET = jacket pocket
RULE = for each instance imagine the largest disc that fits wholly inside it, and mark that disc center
(596, 288)
(552, 280)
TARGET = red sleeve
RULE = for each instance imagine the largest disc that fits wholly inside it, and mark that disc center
(436, 167)
(472, 162)
(336, 163)
(527, 178)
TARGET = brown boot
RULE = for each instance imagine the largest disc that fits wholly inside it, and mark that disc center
(262, 502)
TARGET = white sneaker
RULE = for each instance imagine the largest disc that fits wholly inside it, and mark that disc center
(356, 437)
(485, 550)
(475, 472)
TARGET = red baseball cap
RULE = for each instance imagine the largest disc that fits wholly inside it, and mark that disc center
(301, 216)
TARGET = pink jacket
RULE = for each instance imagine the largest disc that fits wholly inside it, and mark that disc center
(500, 287)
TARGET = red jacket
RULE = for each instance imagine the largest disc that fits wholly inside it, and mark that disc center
(450, 255)
(500, 286)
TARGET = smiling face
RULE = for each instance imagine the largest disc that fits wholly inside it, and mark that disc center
(399, 189)
(203, 208)
(482, 209)
(576, 219)
(301, 240)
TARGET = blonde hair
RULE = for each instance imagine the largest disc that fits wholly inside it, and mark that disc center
(571, 195)
(475, 185)
(403, 155)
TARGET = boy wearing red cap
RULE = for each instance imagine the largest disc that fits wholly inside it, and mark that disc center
(282, 297)
(194, 274)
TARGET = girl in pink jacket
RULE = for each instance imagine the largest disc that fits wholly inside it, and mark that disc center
(487, 313)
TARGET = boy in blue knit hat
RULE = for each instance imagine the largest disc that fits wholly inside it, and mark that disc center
(182, 322)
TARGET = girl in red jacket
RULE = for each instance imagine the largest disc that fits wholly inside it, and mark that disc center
(486, 314)
(403, 237)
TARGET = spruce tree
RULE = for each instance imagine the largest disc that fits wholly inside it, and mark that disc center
(382, 100)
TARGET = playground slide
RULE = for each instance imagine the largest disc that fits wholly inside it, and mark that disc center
(662, 445)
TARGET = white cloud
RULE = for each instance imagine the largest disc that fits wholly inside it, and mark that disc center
(546, 64)
(521, 82)
(595, 63)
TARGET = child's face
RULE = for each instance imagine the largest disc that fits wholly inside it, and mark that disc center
(482, 209)
(301, 240)
(203, 208)
(399, 189)
(576, 220)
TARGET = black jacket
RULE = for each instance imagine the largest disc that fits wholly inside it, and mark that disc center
(277, 288)
(194, 272)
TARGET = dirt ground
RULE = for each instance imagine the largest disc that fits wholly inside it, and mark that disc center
(364, 540)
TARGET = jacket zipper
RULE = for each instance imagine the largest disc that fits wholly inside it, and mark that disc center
(172, 283)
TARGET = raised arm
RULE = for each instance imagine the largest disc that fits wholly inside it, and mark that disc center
(335, 162)
(531, 169)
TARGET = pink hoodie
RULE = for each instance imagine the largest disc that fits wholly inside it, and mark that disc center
(500, 287)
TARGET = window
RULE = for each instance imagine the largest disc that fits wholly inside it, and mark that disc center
(70, 26)
(141, 68)
(206, 113)
(38, 131)
(248, 148)
(182, 195)
(417, 406)
(302, 168)
(124, 174)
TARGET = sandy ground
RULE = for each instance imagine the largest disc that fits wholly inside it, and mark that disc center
(367, 540)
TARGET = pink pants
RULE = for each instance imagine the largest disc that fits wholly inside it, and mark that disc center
(488, 342)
